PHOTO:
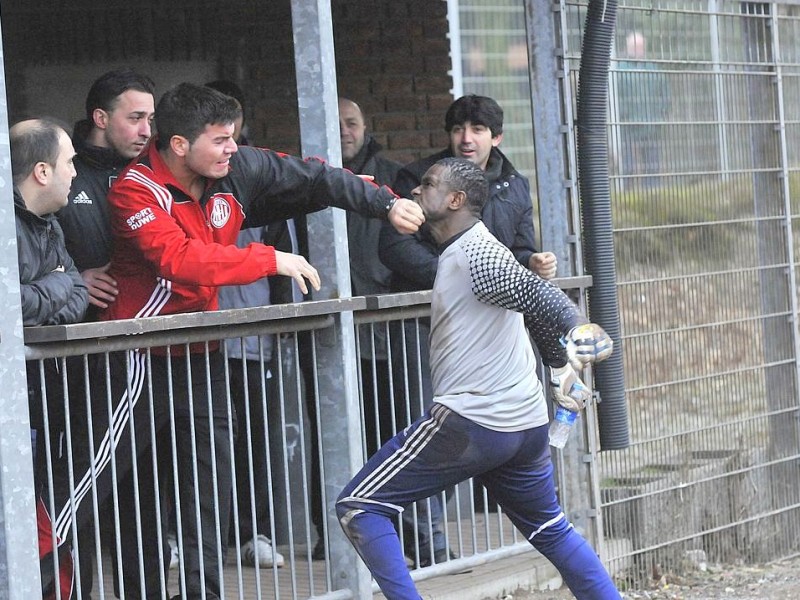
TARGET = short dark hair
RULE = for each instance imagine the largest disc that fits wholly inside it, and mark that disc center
(228, 88)
(478, 110)
(462, 175)
(31, 144)
(186, 109)
(107, 88)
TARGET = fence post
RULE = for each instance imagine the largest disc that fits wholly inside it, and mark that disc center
(19, 564)
(556, 179)
(339, 413)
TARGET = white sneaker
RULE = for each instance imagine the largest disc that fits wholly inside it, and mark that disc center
(259, 551)
(174, 559)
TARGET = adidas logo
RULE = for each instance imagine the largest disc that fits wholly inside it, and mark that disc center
(82, 198)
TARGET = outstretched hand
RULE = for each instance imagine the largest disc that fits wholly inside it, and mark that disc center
(298, 268)
(406, 216)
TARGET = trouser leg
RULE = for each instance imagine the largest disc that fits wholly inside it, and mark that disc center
(134, 505)
(101, 445)
(413, 396)
(204, 429)
(524, 487)
(252, 486)
(434, 453)
(142, 543)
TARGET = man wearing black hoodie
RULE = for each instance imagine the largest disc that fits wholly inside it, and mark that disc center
(119, 114)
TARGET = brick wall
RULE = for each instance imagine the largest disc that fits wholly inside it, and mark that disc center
(392, 58)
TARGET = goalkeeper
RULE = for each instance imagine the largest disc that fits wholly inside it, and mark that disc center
(489, 417)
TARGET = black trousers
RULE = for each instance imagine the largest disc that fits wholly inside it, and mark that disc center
(147, 402)
(251, 444)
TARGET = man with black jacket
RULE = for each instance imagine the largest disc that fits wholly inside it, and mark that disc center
(475, 126)
(361, 154)
(368, 275)
(119, 114)
(51, 289)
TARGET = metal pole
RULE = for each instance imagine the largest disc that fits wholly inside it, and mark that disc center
(19, 557)
(556, 173)
(336, 361)
(551, 101)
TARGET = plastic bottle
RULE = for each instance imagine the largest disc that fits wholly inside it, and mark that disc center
(563, 422)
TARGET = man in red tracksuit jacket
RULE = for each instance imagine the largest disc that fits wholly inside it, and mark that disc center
(176, 212)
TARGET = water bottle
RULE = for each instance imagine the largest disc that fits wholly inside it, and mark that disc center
(563, 422)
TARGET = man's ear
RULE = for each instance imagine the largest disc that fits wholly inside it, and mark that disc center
(100, 118)
(457, 200)
(497, 139)
(179, 145)
(41, 172)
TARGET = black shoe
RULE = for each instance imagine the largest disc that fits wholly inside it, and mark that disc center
(319, 550)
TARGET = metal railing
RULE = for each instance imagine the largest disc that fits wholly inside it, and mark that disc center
(280, 437)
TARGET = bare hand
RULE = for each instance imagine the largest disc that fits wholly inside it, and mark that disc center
(406, 216)
(544, 264)
(297, 267)
(102, 287)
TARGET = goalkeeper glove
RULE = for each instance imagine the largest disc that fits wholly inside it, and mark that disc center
(586, 344)
(568, 390)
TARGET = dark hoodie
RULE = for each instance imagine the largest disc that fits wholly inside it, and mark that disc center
(367, 273)
(85, 221)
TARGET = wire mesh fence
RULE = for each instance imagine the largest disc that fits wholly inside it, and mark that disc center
(703, 141)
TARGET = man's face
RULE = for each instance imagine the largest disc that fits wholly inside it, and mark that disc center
(127, 127)
(351, 129)
(63, 173)
(473, 142)
(433, 195)
(210, 153)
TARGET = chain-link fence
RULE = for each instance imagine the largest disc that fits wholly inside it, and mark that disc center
(703, 142)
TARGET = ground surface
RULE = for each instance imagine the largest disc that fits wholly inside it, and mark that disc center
(775, 581)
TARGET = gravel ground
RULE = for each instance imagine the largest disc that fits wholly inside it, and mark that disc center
(775, 581)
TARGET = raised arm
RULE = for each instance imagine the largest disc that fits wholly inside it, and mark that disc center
(498, 279)
(278, 186)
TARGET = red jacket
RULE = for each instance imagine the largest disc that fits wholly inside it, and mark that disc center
(172, 251)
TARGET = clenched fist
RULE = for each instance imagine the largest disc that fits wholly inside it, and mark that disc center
(406, 216)
(544, 264)
(586, 344)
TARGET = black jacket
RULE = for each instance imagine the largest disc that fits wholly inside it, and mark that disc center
(52, 290)
(87, 230)
(367, 273)
(508, 214)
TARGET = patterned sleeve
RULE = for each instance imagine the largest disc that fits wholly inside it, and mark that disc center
(498, 279)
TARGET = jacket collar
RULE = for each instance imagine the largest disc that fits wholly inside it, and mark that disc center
(24, 213)
(368, 150)
(498, 167)
(95, 156)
